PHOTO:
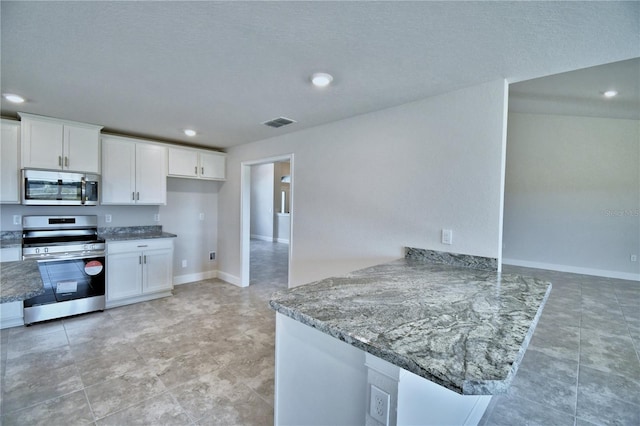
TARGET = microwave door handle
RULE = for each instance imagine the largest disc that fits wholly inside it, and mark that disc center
(83, 190)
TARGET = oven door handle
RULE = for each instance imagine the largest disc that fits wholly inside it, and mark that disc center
(83, 190)
(52, 258)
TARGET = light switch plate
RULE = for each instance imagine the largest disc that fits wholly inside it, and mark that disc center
(447, 236)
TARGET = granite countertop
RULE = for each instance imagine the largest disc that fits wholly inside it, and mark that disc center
(465, 329)
(10, 243)
(133, 233)
(137, 236)
(19, 280)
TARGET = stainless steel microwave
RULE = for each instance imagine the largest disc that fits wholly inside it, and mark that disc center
(53, 188)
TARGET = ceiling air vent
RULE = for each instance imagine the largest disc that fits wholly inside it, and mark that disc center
(279, 122)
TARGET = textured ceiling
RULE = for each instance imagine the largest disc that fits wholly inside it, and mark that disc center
(154, 68)
(581, 92)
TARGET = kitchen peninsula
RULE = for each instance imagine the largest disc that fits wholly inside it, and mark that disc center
(412, 341)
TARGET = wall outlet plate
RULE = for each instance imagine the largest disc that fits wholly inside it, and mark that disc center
(17, 219)
(379, 405)
(212, 255)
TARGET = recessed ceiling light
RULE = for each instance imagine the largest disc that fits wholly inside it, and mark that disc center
(189, 132)
(321, 79)
(16, 99)
(610, 93)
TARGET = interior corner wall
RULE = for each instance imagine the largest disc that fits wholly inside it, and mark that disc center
(192, 214)
(368, 186)
(572, 194)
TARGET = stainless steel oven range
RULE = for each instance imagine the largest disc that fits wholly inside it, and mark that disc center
(71, 259)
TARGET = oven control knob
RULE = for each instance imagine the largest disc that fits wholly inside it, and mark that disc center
(46, 250)
(37, 250)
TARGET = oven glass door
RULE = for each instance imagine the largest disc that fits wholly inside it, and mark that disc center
(70, 279)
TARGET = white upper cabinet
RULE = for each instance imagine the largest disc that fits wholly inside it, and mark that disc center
(212, 165)
(49, 143)
(196, 164)
(183, 163)
(10, 162)
(133, 172)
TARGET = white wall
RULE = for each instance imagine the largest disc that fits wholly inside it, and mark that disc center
(262, 196)
(120, 215)
(572, 194)
(187, 199)
(368, 186)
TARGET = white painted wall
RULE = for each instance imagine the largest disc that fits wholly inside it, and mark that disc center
(186, 198)
(368, 186)
(120, 215)
(197, 236)
(572, 194)
(262, 200)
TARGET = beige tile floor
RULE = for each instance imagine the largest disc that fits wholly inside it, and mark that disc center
(205, 357)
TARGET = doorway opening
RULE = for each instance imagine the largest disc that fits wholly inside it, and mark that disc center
(266, 219)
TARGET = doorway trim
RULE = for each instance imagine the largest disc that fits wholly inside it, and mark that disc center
(245, 214)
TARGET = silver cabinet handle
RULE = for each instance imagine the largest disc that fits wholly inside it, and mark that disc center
(145, 259)
(137, 196)
(139, 260)
(66, 161)
(143, 245)
(196, 170)
(133, 196)
(201, 170)
(60, 160)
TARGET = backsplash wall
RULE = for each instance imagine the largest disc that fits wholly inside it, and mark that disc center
(120, 215)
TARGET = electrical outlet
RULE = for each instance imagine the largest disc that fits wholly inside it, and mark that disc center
(107, 218)
(17, 220)
(201, 216)
(184, 263)
(634, 257)
(212, 255)
(379, 405)
(156, 217)
(447, 236)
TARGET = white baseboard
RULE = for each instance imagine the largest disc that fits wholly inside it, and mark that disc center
(573, 269)
(11, 322)
(231, 279)
(189, 278)
(262, 238)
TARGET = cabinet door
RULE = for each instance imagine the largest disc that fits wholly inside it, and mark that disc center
(158, 271)
(124, 275)
(81, 149)
(212, 166)
(41, 144)
(10, 254)
(151, 174)
(9, 163)
(118, 172)
(183, 163)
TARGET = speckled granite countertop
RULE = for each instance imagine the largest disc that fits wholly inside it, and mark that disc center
(465, 329)
(133, 233)
(137, 236)
(10, 239)
(19, 280)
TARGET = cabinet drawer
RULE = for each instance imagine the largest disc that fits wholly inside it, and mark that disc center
(139, 245)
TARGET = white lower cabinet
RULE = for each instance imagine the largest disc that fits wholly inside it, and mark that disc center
(11, 313)
(138, 270)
